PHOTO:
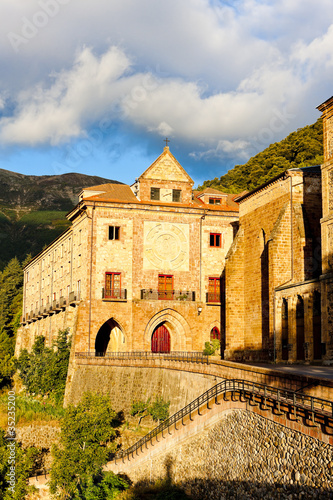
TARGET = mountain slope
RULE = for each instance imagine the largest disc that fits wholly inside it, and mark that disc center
(302, 148)
(33, 209)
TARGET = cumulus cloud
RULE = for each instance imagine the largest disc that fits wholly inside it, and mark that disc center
(217, 76)
(78, 97)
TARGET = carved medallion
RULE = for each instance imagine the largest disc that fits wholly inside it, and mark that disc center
(166, 245)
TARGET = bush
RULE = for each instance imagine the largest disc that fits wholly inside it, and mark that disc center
(212, 347)
(44, 370)
(158, 409)
(87, 432)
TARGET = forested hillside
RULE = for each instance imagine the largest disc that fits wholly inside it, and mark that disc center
(33, 209)
(302, 148)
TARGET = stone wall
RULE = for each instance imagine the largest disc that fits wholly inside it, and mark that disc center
(126, 384)
(245, 456)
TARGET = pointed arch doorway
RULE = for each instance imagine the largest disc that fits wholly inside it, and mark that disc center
(110, 337)
(160, 339)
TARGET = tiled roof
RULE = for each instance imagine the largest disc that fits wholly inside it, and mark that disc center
(120, 192)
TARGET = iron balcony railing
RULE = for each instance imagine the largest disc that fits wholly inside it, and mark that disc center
(114, 293)
(213, 297)
(181, 295)
(195, 356)
(280, 398)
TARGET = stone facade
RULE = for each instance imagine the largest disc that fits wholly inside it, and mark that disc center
(277, 248)
(327, 230)
(134, 260)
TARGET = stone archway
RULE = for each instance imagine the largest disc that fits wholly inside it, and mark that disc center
(110, 337)
(177, 326)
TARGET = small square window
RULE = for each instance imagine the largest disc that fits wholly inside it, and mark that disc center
(214, 201)
(155, 193)
(215, 240)
(114, 232)
(176, 195)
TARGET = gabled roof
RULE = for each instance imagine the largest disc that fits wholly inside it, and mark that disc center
(165, 167)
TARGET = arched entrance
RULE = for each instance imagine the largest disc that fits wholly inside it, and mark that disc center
(300, 329)
(110, 337)
(160, 339)
(215, 334)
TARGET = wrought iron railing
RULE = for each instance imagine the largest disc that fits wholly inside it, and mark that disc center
(181, 295)
(213, 297)
(114, 293)
(280, 398)
(194, 356)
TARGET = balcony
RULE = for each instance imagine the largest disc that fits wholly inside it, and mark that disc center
(213, 298)
(63, 302)
(114, 294)
(181, 295)
(73, 298)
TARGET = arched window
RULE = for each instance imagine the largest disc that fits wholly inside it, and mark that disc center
(215, 334)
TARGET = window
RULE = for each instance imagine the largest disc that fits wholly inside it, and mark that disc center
(165, 286)
(215, 240)
(114, 232)
(112, 286)
(214, 294)
(215, 334)
(176, 195)
(154, 193)
(214, 201)
(27, 276)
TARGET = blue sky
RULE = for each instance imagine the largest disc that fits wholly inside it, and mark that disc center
(95, 87)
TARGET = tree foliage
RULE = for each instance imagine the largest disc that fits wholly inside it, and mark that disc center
(23, 464)
(157, 409)
(302, 148)
(87, 434)
(11, 284)
(44, 370)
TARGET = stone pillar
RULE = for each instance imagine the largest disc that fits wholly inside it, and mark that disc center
(308, 327)
(292, 341)
(278, 329)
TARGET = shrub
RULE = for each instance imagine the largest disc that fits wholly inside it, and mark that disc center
(212, 347)
(44, 370)
(87, 432)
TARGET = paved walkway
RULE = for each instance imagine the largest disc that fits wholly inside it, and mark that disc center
(307, 370)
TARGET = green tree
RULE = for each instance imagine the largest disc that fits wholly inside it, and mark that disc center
(22, 463)
(87, 434)
(44, 370)
(302, 148)
(157, 409)
(11, 283)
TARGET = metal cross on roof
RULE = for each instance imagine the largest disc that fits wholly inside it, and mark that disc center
(166, 140)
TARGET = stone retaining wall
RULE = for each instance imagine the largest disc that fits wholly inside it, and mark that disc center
(245, 456)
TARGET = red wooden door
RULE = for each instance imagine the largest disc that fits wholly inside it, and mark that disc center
(160, 340)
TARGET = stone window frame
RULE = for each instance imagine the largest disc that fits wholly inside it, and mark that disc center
(215, 240)
(177, 193)
(155, 194)
(214, 201)
(113, 233)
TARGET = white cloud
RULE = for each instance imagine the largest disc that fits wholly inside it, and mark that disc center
(78, 97)
(209, 73)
